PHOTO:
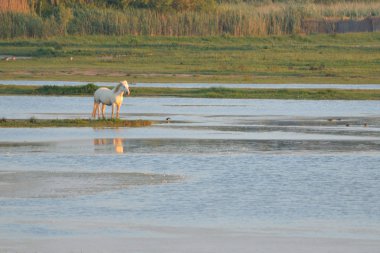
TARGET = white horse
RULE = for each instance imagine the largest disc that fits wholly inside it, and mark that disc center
(112, 97)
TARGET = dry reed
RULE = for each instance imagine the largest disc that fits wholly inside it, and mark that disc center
(14, 5)
(227, 19)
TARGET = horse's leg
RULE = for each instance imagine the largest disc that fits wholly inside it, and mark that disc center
(98, 110)
(93, 110)
(103, 110)
(96, 105)
(112, 105)
(118, 111)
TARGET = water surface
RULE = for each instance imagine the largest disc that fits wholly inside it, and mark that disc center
(278, 167)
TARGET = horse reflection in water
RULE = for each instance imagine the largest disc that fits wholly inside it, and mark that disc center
(116, 142)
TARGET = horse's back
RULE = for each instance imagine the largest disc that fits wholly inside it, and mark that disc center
(103, 95)
(101, 90)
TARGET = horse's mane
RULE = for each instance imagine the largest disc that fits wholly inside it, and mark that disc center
(117, 88)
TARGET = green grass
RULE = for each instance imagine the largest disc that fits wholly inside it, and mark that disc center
(343, 58)
(33, 122)
(88, 90)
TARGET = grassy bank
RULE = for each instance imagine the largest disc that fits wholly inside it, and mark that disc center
(311, 94)
(33, 122)
(343, 58)
(88, 90)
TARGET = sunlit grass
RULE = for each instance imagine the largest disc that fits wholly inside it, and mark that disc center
(343, 58)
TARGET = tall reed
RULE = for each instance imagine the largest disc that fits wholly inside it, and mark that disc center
(227, 19)
(236, 22)
(20, 25)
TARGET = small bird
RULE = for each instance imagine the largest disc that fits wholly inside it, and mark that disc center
(168, 119)
(365, 124)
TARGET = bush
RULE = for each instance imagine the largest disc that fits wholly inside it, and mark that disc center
(88, 89)
(46, 51)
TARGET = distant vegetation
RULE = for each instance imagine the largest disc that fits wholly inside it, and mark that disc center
(315, 94)
(174, 17)
(83, 90)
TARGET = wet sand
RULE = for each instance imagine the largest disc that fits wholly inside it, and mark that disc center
(44, 184)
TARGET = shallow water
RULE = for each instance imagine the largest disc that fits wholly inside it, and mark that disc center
(201, 85)
(268, 166)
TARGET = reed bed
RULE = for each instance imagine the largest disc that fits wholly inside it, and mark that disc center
(227, 19)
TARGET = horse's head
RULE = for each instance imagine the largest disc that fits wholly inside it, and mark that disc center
(125, 87)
